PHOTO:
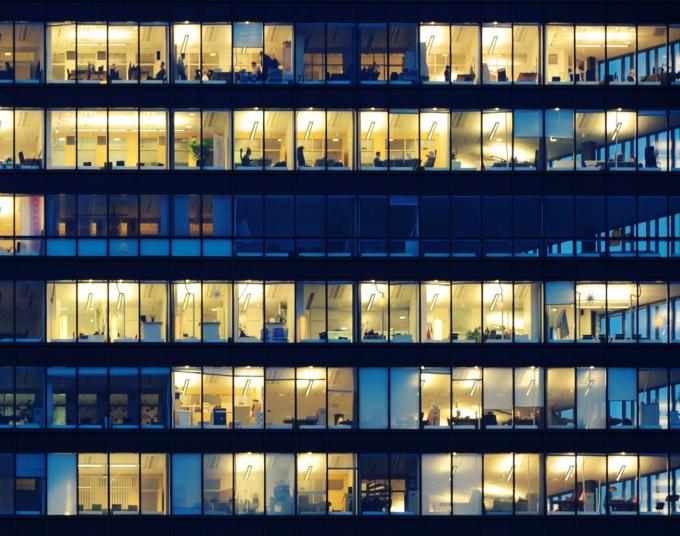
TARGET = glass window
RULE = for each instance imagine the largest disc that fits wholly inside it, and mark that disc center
(528, 140)
(153, 50)
(466, 477)
(93, 407)
(123, 43)
(311, 484)
(28, 139)
(436, 487)
(340, 299)
(217, 410)
(650, 321)
(186, 52)
(374, 482)
(277, 60)
(248, 52)
(404, 313)
(403, 62)
(189, 150)
(621, 397)
(124, 311)
(153, 136)
(342, 491)
(340, 53)
(124, 483)
(249, 484)
(467, 312)
(498, 307)
(61, 485)
(434, 141)
(621, 45)
(310, 53)
(61, 52)
(498, 483)
(559, 54)
(652, 55)
(61, 312)
(496, 53)
(91, 54)
(404, 398)
(590, 134)
(280, 398)
(435, 63)
(311, 397)
(61, 128)
(216, 53)
(404, 484)
(62, 408)
(341, 397)
(280, 487)
(466, 149)
(560, 407)
(497, 140)
(527, 315)
(373, 140)
(248, 312)
(652, 389)
(403, 150)
(248, 139)
(124, 397)
(465, 54)
(186, 400)
(526, 51)
(373, 398)
(435, 394)
(186, 484)
(7, 484)
(187, 311)
(310, 143)
(559, 135)
(435, 312)
(374, 57)
(155, 397)
(466, 387)
(310, 302)
(653, 482)
(622, 492)
(528, 490)
(218, 484)
(93, 487)
(591, 474)
(560, 483)
(6, 398)
(591, 388)
(278, 140)
(29, 484)
(559, 311)
(339, 140)
(216, 315)
(153, 311)
(154, 483)
(249, 411)
(590, 48)
(29, 39)
(29, 311)
(498, 406)
(6, 132)
(652, 140)
(621, 140)
(528, 399)
(374, 312)
(92, 301)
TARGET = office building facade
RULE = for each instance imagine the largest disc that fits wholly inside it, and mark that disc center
(329, 267)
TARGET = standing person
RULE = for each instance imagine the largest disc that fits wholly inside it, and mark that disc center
(245, 158)
(181, 69)
(300, 157)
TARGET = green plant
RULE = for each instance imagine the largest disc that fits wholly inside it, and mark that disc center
(474, 335)
(199, 149)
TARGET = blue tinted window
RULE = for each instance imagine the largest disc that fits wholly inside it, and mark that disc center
(589, 216)
(466, 216)
(498, 216)
(404, 216)
(434, 216)
(309, 216)
(278, 215)
(248, 216)
(373, 216)
(559, 217)
(341, 216)
(528, 216)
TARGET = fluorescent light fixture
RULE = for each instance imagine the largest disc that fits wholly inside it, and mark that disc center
(474, 387)
(185, 302)
(90, 465)
(591, 382)
(619, 125)
(88, 303)
(310, 383)
(246, 301)
(124, 465)
(510, 473)
(253, 131)
(308, 473)
(430, 42)
(120, 301)
(308, 132)
(532, 384)
(494, 130)
(369, 132)
(620, 473)
(495, 301)
(433, 302)
(246, 387)
(569, 473)
(371, 299)
(492, 46)
(185, 386)
(454, 468)
(185, 42)
(433, 129)
(249, 470)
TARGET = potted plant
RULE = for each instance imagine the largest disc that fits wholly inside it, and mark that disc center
(474, 335)
(200, 150)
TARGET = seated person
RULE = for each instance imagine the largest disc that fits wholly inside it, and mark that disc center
(300, 156)
(113, 73)
(256, 71)
(160, 75)
(431, 159)
(377, 161)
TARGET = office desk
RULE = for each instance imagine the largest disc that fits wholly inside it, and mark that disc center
(211, 331)
(152, 331)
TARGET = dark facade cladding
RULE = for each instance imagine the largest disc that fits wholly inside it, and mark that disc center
(339, 267)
